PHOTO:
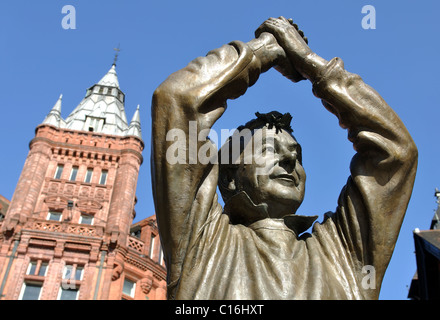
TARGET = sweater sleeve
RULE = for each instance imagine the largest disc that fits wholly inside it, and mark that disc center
(372, 205)
(184, 106)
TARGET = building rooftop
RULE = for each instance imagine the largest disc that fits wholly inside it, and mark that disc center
(102, 110)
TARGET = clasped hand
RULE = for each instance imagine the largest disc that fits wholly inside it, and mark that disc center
(294, 44)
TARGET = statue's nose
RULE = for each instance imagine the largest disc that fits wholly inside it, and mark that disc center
(288, 161)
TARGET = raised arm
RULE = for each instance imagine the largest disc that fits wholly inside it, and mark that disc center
(187, 102)
(374, 201)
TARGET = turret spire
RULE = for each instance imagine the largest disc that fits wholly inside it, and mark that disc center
(135, 125)
(110, 79)
(102, 109)
(54, 116)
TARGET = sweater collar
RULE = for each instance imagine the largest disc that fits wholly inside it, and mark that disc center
(242, 210)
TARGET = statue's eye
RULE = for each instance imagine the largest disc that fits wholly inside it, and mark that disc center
(269, 149)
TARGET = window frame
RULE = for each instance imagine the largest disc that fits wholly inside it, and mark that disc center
(69, 279)
(160, 259)
(73, 171)
(35, 275)
(58, 171)
(132, 293)
(74, 268)
(94, 124)
(88, 179)
(30, 283)
(105, 174)
(55, 213)
(152, 245)
(60, 292)
(83, 214)
(38, 266)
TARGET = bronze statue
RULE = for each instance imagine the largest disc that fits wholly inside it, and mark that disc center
(255, 247)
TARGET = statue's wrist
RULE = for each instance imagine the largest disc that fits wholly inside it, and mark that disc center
(267, 50)
(311, 65)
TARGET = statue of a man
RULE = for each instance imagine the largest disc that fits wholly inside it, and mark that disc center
(255, 247)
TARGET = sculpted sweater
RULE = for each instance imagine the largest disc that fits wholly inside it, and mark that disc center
(207, 257)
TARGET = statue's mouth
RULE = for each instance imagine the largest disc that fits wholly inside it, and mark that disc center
(287, 179)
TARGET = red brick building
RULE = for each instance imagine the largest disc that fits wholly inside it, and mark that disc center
(4, 205)
(68, 233)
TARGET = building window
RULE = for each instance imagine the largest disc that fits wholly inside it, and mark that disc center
(68, 293)
(2, 217)
(103, 179)
(160, 256)
(34, 280)
(129, 288)
(136, 233)
(73, 173)
(37, 268)
(86, 219)
(31, 291)
(153, 238)
(54, 216)
(94, 124)
(73, 272)
(71, 283)
(88, 177)
(58, 172)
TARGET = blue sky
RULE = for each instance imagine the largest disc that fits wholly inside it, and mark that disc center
(39, 60)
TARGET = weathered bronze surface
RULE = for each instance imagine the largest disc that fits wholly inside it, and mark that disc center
(255, 248)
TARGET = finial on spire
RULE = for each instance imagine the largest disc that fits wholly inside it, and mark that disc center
(116, 55)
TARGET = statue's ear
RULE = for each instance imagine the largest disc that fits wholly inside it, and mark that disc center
(227, 181)
(227, 178)
(231, 184)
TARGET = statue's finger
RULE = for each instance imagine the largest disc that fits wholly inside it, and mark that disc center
(261, 29)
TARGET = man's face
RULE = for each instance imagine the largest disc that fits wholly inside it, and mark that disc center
(275, 176)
